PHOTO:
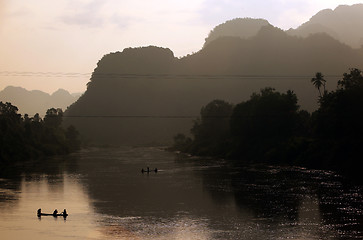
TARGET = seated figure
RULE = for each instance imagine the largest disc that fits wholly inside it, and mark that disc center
(55, 212)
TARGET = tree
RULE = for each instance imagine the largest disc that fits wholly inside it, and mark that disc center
(264, 122)
(319, 81)
(182, 143)
(37, 118)
(9, 111)
(29, 138)
(352, 80)
(11, 133)
(214, 122)
(341, 111)
(338, 121)
(53, 117)
(212, 130)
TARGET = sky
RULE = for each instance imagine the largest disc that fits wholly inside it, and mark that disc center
(47, 45)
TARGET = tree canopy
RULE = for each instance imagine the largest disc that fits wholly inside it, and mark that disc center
(270, 127)
(24, 138)
(338, 121)
(263, 122)
(212, 129)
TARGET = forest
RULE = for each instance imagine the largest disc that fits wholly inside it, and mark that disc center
(270, 127)
(24, 138)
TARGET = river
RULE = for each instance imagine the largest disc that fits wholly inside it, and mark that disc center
(107, 197)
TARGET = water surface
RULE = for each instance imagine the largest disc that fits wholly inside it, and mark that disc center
(108, 197)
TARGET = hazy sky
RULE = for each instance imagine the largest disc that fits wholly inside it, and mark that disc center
(70, 36)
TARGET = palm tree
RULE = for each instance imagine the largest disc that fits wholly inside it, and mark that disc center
(319, 81)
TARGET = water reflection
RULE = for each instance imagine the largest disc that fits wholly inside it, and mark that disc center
(155, 228)
(20, 221)
(295, 202)
(108, 197)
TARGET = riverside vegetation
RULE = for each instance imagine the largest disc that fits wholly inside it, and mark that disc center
(24, 138)
(270, 127)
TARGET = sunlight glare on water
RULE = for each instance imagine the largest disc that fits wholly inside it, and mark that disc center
(107, 197)
(19, 220)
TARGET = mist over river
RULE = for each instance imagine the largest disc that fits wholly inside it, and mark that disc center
(108, 197)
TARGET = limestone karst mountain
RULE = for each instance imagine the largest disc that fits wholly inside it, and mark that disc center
(146, 95)
(343, 23)
(239, 27)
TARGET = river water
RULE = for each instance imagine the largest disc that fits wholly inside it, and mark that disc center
(107, 197)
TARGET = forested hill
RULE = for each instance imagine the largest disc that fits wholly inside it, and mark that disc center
(146, 95)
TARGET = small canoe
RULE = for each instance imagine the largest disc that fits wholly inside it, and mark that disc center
(54, 215)
(146, 171)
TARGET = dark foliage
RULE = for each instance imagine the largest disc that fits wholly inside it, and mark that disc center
(261, 124)
(212, 130)
(210, 133)
(24, 138)
(338, 123)
(269, 127)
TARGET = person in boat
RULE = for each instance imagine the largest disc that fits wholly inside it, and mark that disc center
(55, 212)
(156, 170)
(64, 212)
(148, 169)
(39, 212)
(142, 170)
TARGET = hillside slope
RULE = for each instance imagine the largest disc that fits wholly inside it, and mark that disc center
(146, 95)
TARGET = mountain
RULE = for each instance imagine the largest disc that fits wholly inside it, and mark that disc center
(32, 102)
(343, 23)
(239, 27)
(273, 52)
(146, 95)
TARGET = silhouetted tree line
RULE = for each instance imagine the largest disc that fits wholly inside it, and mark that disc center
(24, 138)
(270, 127)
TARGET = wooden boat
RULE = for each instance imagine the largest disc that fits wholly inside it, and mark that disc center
(148, 170)
(54, 215)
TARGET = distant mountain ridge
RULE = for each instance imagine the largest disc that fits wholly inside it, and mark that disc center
(238, 27)
(273, 52)
(35, 101)
(345, 23)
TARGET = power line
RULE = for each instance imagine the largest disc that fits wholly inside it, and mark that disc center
(245, 116)
(136, 116)
(157, 75)
(43, 74)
